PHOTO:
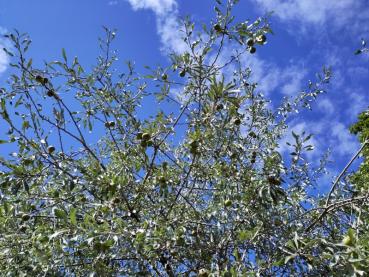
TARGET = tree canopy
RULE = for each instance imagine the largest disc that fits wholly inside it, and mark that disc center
(97, 187)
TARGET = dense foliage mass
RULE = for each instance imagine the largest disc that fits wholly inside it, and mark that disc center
(95, 187)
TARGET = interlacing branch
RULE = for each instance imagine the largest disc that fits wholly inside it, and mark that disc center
(328, 207)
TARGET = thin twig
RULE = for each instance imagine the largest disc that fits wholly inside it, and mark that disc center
(344, 171)
(328, 207)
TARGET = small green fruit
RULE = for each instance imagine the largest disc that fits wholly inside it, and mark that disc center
(252, 50)
(40, 79)
(116, 200)
(109, 124)
(182, 73)
(26, 217)
(250, 42)
(219, 107)
(50, 93)
(146, 136)
(228, 203)
(164, 77)
(162, 179)
(50, 149)
(23, 228)
(150, 143)
(252, 134)
(139, 135)
(237, 121)
(347, 241)
(274, 181)
(217, 28)
(194, 144)
(143, 143)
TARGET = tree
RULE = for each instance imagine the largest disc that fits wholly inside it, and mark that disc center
(360, 179)
(201, 191)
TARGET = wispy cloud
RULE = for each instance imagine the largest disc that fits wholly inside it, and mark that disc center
(4, 58)
(330, 122)
(170, 34)
(159, 7)
(327, 106)
(337, 13)
(168, 27)
(347, 143)
(271, 77)
(358, 103)
(327, 133)
(285, 79)
(348, 93)
(298, 128)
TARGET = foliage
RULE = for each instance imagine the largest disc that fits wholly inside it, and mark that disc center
(95, 187)
(362, 49)
(360, 179)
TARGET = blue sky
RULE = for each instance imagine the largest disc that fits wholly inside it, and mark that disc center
(308, 35)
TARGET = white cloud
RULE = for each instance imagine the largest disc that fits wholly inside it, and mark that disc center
(298, 126)
(168, 27)
(357, 102)
(4, 58)
(288, 80)
(293, 77)
(357, 73)
(326, 106)
(327, 134)
(265, 73)
(170, 34)
(159, 7)
(347, 143)
(337, 12)
(330, 127)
